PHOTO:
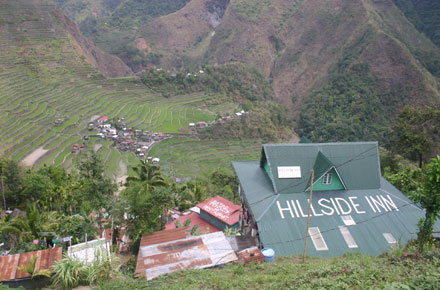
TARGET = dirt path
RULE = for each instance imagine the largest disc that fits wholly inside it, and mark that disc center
(94, 118)
(96, 147)
(121, 177)
(34, 156)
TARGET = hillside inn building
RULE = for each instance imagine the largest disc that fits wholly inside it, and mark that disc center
(354, 209)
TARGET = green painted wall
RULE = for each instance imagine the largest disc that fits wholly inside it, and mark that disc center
(216, 222)
(267, 168)
(335, 185)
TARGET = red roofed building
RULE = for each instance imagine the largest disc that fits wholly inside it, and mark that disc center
(195, 220)
(103, 119)
(220, 212)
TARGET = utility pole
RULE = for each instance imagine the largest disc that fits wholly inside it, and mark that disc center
(3, 192)
(308, 215)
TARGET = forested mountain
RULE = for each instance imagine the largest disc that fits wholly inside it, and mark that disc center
(343, 68)
(424, 14)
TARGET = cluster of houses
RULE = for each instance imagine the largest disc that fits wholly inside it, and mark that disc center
(331, 194)
(127, 139)
(203, 124)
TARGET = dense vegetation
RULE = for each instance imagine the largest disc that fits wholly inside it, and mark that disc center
(242, 84)
(237, 80)
(424, 14)
(348, 108)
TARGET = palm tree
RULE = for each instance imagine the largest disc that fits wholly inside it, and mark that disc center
(149, 174)
(26, 228)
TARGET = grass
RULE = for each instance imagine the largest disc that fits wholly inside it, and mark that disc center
(186, 157)
(353, 271)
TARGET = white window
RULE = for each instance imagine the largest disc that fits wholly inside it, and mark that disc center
(348, 220)
(327, 178)
(389, 237)
(317, 239)
(351, 243)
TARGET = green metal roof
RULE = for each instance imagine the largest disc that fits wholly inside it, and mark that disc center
(282, 217)
(304, 140)
(357, 163)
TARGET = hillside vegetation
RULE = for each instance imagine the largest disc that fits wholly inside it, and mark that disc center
(424, 14)
(51, 88)
(352, 271)
(305, 48)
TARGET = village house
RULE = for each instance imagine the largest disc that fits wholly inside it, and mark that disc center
(11, 276)
(212, 215)
(102, 120)
(353, 208)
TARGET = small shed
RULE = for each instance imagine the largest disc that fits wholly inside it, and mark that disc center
(10, 275)
(220, 212)
(202, 225)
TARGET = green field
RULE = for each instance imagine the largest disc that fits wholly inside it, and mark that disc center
(185, 157)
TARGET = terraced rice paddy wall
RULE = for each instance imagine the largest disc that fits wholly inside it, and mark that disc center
(185, 157)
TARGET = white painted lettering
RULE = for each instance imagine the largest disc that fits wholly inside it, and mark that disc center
(334, 205)
(338, 201)
(389, 202)
(300, 209)
(355, 205)
(374, 210)
(378, 203)
(320, 202)
(294, 208)
(284, 209)
(313, 210)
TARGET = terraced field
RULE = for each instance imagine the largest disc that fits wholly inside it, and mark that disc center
(44, 78)
(185, 157)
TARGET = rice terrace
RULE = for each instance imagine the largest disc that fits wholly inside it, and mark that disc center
(49, 93)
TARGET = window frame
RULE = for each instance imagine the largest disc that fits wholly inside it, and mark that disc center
(327, 178)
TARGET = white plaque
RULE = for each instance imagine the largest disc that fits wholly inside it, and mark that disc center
(289, 172)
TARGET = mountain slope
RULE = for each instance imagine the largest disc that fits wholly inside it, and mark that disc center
(302, 46)
(50, 92)
(424, 14)
(32, 21)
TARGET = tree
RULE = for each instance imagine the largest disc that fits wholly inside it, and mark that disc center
(415, 133)
(11, 182)
(429, 198)
(95, 186)
(145, 210)
(148, 174)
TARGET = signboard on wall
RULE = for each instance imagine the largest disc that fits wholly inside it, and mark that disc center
(289, 172)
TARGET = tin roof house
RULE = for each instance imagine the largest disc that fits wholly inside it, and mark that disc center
(353, 208)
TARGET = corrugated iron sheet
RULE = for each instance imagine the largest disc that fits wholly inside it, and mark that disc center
(194, 252)
(250, 255)
(239, 243)
(164, 236)
(9, 264)
(222, 209)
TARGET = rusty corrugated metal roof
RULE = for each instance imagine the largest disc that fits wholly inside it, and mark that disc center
(164, 236)
(250, 255)
(9, 264)
(239, 243)
(194, 252)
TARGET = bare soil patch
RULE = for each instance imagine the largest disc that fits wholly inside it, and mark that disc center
(34, 156)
